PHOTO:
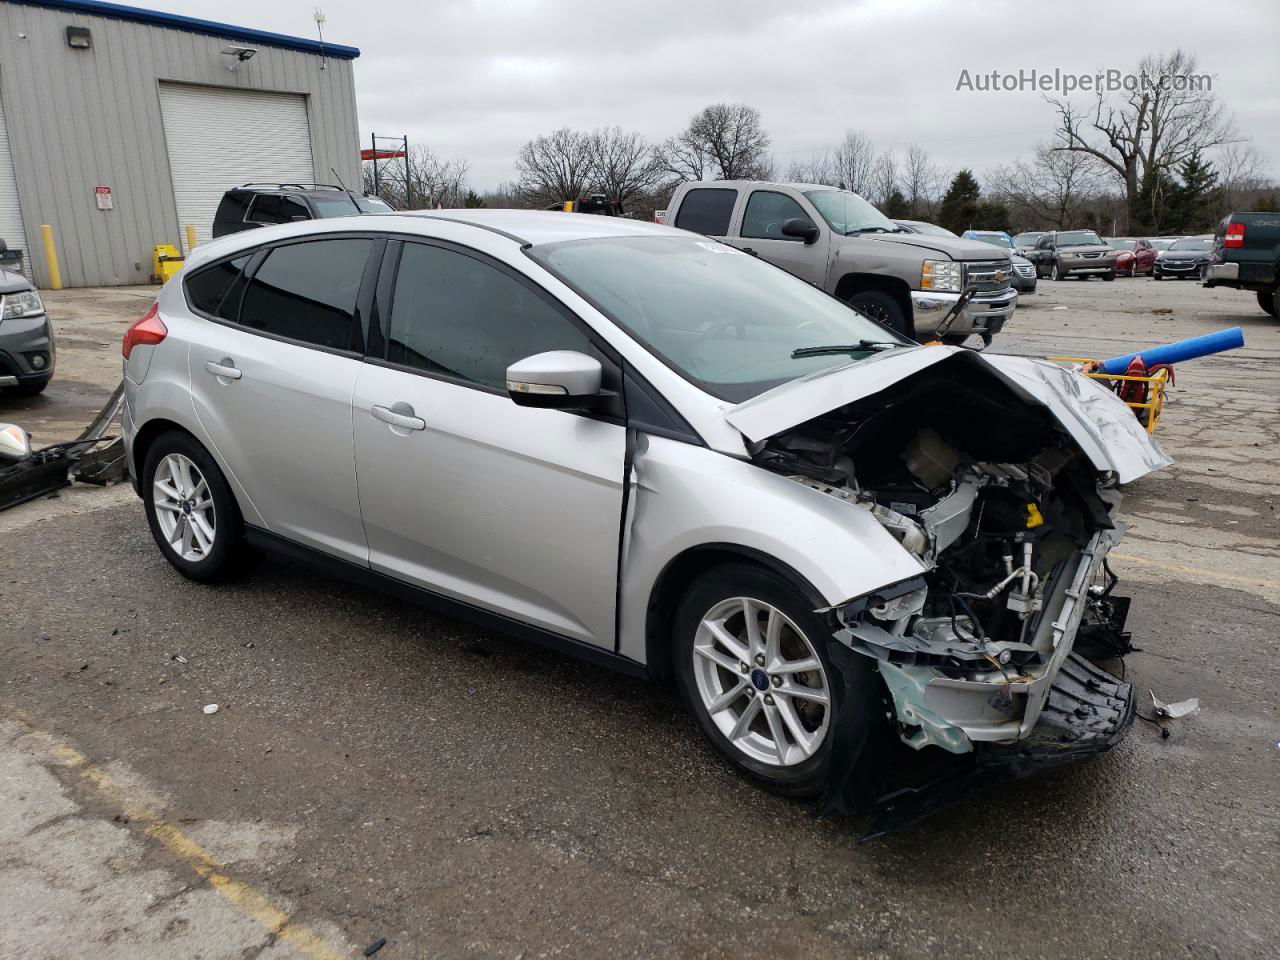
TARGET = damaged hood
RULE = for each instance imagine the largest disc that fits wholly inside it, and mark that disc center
(1104, 428)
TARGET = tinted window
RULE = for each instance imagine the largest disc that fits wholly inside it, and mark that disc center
(766, 212)
(452, 314)
(231, 209)
(307, 291)
(334, 204)
(207, 291)
(269, 208)
(707, 211)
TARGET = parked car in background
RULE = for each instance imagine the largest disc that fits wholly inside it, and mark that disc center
(1187, 258)
(839, 242)
(661, 454)
(1024, 271)
(264, 204)
(1161, 244)
(1073, 253)
(924, 228)
(1024, 242)
(1246, 255)
(27, 352)
(1134, 255)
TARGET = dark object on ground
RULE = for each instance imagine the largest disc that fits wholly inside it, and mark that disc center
(374, 947)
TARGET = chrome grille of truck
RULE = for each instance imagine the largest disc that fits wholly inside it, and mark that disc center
(988, 276)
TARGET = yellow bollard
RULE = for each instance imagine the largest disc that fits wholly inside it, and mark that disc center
(51, 257)
(191, 237)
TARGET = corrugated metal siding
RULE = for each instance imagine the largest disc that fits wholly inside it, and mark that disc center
(221, 138)
(11, 231)
(78, 118)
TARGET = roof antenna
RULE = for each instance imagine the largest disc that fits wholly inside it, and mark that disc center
(350, 195)
(318, 17)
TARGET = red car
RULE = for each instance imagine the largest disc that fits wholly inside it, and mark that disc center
(1135, 257)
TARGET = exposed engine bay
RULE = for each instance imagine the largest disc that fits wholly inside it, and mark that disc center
(1011, 523)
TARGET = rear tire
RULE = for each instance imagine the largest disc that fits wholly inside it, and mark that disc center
(881, 307)
(191, 511)
(1269, 300)
(781, 699)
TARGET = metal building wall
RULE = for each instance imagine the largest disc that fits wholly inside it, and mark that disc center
(79, 118)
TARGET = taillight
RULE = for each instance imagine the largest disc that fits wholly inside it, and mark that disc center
(149, 329)
(1235, 235)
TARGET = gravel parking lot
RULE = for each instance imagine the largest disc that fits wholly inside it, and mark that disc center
(376, 771)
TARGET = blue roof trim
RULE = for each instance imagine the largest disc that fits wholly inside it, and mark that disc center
(118, 11)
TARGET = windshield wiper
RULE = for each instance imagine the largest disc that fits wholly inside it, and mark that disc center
(850, 233)
(835, 349)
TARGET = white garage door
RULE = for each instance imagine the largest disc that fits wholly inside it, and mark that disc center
(220, 138)
(10, 212)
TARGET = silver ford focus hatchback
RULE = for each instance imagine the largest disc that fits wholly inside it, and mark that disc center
(662, 454)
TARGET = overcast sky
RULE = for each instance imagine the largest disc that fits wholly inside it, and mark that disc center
(477, 78)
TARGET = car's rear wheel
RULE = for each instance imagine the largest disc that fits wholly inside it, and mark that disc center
(191, 511)
(753, 670)
(882, 308)
(1269, 300)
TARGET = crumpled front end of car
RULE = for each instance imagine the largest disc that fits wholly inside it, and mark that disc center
(991, 647)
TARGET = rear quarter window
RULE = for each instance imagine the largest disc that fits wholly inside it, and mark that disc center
(215, 290)
(707, 211)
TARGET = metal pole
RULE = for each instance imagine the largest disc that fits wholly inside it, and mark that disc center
(373, 143)
(408, 183)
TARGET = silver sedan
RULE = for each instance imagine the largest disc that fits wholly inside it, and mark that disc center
(654, 451)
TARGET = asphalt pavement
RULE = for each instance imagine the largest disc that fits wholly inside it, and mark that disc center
(377, 772)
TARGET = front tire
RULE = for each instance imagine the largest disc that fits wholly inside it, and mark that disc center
(1058, 272)
(881, 307)
(191, 511)
(752, 668)
(30, 388)
(1109, 276)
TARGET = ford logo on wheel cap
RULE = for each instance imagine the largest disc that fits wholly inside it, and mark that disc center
(760, 679)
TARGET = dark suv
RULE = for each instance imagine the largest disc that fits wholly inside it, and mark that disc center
(262, 204)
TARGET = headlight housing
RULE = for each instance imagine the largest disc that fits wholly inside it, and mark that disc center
(26, 303)
(946, 276)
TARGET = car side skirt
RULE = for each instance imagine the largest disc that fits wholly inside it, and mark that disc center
(282, 547)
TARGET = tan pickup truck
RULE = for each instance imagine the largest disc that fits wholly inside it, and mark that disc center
(838, 241)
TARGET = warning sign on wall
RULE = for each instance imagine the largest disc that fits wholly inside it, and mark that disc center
(102, 194)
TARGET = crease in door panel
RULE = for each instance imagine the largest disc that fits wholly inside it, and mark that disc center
(355, 465)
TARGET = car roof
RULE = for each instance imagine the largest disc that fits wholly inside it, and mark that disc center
(537, 227)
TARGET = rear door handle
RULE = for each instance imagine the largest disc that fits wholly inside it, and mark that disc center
(225, 368)
(399, 415)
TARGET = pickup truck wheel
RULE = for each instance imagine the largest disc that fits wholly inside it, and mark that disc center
(1058, 273)
(882, 308)
(752, 667)
(1269, 300)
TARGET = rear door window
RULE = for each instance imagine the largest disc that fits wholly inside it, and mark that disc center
(269, 208)
(215, 291)
(308, 292)
(707, 210)
(766, 211)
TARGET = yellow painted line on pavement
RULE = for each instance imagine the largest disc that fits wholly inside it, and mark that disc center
(240, 895)
(1199, 572)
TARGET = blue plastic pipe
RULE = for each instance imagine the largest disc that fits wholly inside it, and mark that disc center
(1177, 352)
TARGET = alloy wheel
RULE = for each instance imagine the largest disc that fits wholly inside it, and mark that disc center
(761, 681)
(184, 507)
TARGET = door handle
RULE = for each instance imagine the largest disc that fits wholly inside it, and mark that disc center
(400, 415)
(225, 368)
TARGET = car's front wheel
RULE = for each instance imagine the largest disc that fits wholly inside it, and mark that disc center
(881, 307)
(191, 511)
(1058, 272)
(753, 670)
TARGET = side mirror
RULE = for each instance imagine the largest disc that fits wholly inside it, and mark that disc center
(559, 379)
(800, 228)
(15, 444)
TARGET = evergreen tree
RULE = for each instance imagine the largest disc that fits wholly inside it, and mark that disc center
(991, 216)
(472, 199)
(896, 207)
(1191, 204)
(960, 205)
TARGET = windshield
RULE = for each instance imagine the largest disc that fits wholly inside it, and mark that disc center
(722, 318)
(995, 239)
(1193, 243)
(930, 229)
(1078, 238)
(334, 205)
(849, 213)
(1123, 244)
(1027, 239)
(1161, 244)
(372, 205)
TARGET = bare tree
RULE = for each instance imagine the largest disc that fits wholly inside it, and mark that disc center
(1243, 175)
(623, 165)
(555, 167)
(420, 180)
(922, 182)
(817, 167)
(884, 178)
(1169, 115)
(1051, 189)
(724, 141)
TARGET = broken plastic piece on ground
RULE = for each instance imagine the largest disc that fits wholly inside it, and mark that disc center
(210, 708)
(178, 658)
(1174, 711)
(374, 947)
